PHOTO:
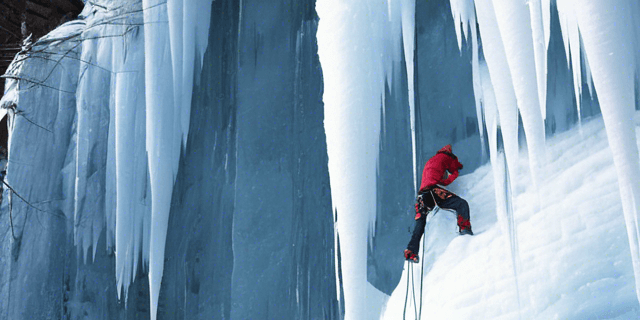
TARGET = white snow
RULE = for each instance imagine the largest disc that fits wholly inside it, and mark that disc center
(574, 251)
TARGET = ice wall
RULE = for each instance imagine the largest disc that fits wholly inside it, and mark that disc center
(140, 166)
(394, 187)
(45, 275)
(599, 41)
(282, 226)
(445, 100)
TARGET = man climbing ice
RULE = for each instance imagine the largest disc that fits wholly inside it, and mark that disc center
(441, 169)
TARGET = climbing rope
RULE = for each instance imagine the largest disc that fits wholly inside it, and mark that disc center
(411, 279)
(435, 211)
(406, 295)
(421, 279)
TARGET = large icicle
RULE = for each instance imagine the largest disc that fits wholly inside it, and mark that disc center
(188, 27)
(175, 16)
(609, 41)
(515, 29)
(408, 13)
(463, 18)
(499, 104)
(500, 79)
(540, 51)
(501, 177)
(195, 30)
(93, 107)
(162, 128)
(354, 64)
(130, 158)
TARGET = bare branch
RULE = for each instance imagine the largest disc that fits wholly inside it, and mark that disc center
(8, 76)
(27, 202)
(13, 234)
(20, 113)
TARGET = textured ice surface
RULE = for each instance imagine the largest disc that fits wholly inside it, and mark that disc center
(100, 141)
(155, 145)
(574, 250)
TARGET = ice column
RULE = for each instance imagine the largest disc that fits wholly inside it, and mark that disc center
(408, 14)
(163, 135)
(505, 97)
(132, 205)
(499, 104)
(609, 40)
(92, 131)
(352, 37)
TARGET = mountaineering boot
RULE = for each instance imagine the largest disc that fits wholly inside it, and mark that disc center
(465, 226)
(466, 231)
(408, 255)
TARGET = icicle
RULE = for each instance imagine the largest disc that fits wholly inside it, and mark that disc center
(501, 177)
(587, 71)
(500, 79)
(352, 56)
(93, 106)
(463, 13)
(515, 30)
(457, 21)
(477, 83)
(571, 38)
(195, 42)
(175, 15)
(408, 36)
(540, 52)
(500, 112)
(563, 7)
(130, 158)
(163, 132)
(608, 35)
(463, 18)
(545, 6)
(574, 46)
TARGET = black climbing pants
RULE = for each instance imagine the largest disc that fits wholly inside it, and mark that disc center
(459, 205)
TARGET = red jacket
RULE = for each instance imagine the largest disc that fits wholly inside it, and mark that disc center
(434, 170)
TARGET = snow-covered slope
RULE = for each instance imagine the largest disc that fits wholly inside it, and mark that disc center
(574, 251)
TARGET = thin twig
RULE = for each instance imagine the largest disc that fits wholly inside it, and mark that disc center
(8, 76)
(20, 113)
(23, 199)
(11, 215)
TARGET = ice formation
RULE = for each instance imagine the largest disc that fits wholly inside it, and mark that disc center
(125, 77)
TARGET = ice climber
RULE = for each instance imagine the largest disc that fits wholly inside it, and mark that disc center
(441, 169)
